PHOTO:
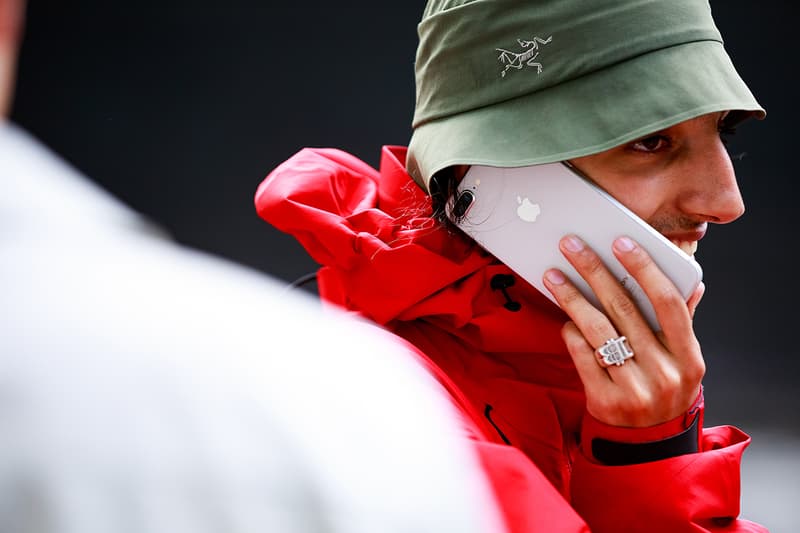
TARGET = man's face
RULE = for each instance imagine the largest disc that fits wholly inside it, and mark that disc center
(678, 179)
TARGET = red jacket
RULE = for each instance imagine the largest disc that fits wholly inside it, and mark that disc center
(508, 371)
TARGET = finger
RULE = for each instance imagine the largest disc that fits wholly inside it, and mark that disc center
(615, 299)
(594, 327)
(694, 299)
(592, 323)
(672, 311)
(583, 355)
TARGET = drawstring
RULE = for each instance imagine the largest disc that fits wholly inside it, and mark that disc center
(501, 282)
(489, 418)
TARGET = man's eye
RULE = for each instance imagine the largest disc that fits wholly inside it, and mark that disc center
(650, 144)
(726, 132)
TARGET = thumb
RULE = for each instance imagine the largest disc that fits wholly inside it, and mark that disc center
(694, 299)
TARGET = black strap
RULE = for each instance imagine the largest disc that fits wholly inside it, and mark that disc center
(614, 453)
(303, 280)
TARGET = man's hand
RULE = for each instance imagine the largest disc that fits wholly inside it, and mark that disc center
(663, 378)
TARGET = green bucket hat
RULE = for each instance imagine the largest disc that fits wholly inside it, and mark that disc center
(521, 82)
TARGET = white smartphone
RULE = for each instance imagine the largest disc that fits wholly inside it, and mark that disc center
(520, 214)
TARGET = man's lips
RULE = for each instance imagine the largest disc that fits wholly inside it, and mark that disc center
(687, 241)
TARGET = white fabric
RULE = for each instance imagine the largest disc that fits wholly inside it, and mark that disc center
(150, 388)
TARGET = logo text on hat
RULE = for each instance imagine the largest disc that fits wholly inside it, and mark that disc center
(518, 60)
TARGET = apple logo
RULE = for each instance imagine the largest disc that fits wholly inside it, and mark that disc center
(527, 211)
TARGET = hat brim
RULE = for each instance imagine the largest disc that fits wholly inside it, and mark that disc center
(586, 115)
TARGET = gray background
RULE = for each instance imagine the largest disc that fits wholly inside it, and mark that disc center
(181, 108)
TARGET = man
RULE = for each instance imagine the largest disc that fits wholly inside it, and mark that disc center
(636, 95)
(147, 387)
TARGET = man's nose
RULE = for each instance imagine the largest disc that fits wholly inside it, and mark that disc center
(712, 193)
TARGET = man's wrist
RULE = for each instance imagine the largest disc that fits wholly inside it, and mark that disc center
(613, 445)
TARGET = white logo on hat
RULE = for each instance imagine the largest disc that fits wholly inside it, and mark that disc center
(518, 60)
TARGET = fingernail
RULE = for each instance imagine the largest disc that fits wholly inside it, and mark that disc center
(573, 244)
(624, 244)
(555, 277)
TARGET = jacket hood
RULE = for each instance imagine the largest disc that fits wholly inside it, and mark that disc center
(385, 258)
(366, 228)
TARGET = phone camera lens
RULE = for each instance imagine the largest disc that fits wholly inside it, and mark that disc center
(463, 202)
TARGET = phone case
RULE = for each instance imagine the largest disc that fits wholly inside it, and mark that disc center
(519, 215)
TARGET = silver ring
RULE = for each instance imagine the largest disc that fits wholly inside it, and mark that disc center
(614, 352)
